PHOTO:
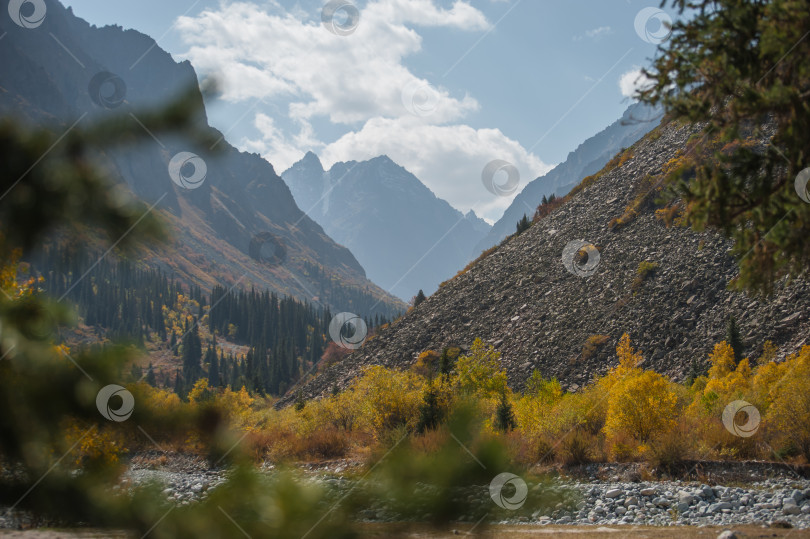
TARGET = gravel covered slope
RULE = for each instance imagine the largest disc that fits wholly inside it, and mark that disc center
(538, 315)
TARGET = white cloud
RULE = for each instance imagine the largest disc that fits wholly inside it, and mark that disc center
(633, 81)
(596, 33)
(258, 54)
(449, 159)
(360, 83)
(285, 149)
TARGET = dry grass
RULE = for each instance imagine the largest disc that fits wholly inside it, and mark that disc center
(592, 344)
(576, 448)
(670, 449)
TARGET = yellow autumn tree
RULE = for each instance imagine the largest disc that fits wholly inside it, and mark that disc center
(237, 405)
(387, 398)
(727, 381)
(765, 382)
(641, 405)
(480, 372)
(201, 392)
(629, 359)
(722, 361)
(533, 410)
(427, 364)
(339, 411)
(157, 400)
(790, 411)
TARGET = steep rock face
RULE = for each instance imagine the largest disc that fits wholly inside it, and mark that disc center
(523, 301)
(47, 79)
(404, 236)
(587, 159)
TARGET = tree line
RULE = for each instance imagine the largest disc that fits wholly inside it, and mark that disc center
(284, 337)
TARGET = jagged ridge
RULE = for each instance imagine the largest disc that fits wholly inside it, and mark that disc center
(405, 237)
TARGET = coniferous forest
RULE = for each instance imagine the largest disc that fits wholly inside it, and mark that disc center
(282, 338)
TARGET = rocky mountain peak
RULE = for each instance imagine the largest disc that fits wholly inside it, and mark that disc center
(405, 237)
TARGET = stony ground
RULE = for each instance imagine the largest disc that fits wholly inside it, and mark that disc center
(587, 504)
(580, 532)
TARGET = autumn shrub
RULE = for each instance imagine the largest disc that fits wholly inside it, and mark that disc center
(236, 405)
(387, 399)
(549, 413)
(544, 210)
(641, 406)
(169, 418)
(277, 438)
(480, 372)
(623, 448)
(326, 443)
(592, 344)
(533, 410)
(527, 452)
(334, 353)
(643, 272)
(789, 412)
(201, 392)
(585, 410)
(671, 214)
(627, 414)
(97, 445)
(427, 365)
(547, 390)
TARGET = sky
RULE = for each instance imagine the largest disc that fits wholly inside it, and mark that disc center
(443, 87)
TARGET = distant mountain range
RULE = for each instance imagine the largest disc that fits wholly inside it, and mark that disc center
(405, 237)
(587, 159)
(240, 224)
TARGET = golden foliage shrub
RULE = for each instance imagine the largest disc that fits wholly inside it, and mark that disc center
(427, 364)
(388, 398)
(480, 373)
(627, 414)
(642, 406)
(104, 445)
(789, 412)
